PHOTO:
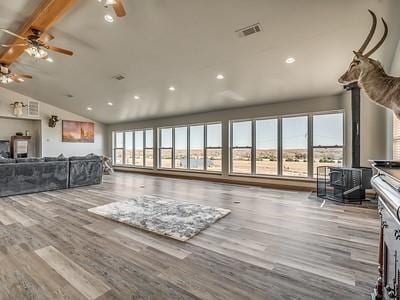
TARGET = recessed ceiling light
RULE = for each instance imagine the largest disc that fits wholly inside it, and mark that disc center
(136, 97)
(290, 60)
(220, 76)
(89, 108)
(109, 18)
(110, 103)
(49, 59)
(172, 88)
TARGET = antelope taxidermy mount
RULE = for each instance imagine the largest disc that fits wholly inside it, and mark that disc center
(370, 75)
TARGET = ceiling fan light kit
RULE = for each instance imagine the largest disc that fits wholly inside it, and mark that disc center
(34, 42)
(36, 52)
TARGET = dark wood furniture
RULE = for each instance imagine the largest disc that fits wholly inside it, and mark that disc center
(19, 146)
(386, 182)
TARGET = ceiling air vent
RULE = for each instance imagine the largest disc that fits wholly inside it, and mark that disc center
(249, 30)
(33, 109)
(119, 77)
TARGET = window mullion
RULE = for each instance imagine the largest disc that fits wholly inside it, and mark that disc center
(280, 148)
(204, 147)
(173, 148)
(253, 147)
(134, 147)
(310, 150)
(188, 148)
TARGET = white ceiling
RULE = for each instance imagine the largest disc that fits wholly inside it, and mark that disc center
(186, 43)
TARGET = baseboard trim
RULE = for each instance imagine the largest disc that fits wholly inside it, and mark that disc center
(221, 180)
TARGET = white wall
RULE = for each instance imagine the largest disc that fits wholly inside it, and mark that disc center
(321, 104)
(373, 130)
(9, 126)
(51, 138)
(394, 71)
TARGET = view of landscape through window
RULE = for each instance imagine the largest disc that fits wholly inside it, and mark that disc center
(199, 147)
(195, 147)
(131, 146)
(328, 140)
(327, 144)
(295, 146)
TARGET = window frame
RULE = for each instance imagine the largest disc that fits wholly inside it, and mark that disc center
(124, 164)
(114, 150)
(343, 147)
(206, 147)
(310, 146)
(231, 148)
(145, 148)
(188, 169)
(160, 148)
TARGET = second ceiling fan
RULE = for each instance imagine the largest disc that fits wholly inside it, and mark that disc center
(36, 43)
(117, 5)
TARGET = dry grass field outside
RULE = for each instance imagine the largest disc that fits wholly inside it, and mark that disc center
(294, 160)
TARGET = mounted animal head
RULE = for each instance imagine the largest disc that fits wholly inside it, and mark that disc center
(18, 108)
(361, 63)
(53, 121)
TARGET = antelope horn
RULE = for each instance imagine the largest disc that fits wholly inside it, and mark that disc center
(380, 42)
(371, 32)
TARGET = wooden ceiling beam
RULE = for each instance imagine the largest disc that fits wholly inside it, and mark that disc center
(48, 12)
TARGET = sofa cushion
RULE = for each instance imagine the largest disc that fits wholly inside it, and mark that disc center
(6, 160)
(30, 160)
(61, 157)
(87, 157)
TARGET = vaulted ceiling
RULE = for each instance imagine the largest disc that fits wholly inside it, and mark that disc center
(186, 44)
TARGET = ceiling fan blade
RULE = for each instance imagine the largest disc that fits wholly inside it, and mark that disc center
(45, 37)
(60, 50)
(13, 34)
(14, 45)
(119, 8)
(23, 76)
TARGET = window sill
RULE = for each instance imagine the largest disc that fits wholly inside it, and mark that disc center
(132, 167)
(189, 171)
(292, 178)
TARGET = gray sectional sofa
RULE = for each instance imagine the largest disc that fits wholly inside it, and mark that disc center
(33, 175)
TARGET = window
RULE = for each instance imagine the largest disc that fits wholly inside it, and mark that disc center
(291, 146)
(139, 148)
(327, 140)
(128, 147)
(295, 146)
(148, 148)
(186, 147)
(165, 153)
(267, 147)
(119, 148)
(181, 149)
(241, 147)
(214, 147)
(196, 161)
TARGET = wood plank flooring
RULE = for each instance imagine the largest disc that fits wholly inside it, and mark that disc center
(274, 245)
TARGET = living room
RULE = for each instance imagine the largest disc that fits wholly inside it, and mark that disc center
(199, 149)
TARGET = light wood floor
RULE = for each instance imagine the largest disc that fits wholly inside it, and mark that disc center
(274, 245)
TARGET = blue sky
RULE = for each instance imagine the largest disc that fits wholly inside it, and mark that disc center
(328, 131)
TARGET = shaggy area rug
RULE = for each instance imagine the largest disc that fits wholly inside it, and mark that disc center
(177, 220)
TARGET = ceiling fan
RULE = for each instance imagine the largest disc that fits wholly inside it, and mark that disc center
(6, 76)
(36, 43)
(117, 5)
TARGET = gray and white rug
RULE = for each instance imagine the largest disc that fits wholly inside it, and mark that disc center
(177, 220)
